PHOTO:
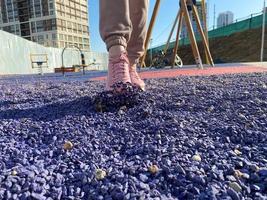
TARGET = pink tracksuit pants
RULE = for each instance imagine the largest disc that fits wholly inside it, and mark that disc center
(123, 22)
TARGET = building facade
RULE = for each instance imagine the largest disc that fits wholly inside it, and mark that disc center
(52, 23)
(225, 19)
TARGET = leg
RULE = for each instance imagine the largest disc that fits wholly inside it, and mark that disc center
(138, 16)
(115, 24)
(135, 48)
(115, 30)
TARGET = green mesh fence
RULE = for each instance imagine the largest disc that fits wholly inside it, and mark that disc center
(251, 23)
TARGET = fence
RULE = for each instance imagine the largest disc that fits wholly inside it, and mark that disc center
(15, 56)
(251, 23)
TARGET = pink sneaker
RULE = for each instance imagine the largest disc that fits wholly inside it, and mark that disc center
(135, 78)
(118, 71)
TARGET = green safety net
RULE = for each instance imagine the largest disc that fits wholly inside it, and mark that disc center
(251, 23)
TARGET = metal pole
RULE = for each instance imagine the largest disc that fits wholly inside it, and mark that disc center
(214, 17)
(202, 34)
(149, 31)
(179, 29)
(263, 31)
(172, 30)
(151, 54)
(205, 24)
(191, 34)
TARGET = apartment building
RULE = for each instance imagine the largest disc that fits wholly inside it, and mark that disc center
(225, 19)
(52, 23)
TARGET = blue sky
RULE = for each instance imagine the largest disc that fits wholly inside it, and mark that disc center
(166, 16)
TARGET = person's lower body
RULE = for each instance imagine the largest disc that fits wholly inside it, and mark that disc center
(123, 29)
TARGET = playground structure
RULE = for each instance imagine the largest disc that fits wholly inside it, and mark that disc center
(76, 67)
(161, 61)
(39, 61)
(186, 6)
(82, 64)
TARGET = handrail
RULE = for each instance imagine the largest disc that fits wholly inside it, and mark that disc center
(62, 58)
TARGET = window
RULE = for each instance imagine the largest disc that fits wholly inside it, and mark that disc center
(33, 27)
(38, 11)
(67, 10)
(31, 11)
(72, 11)
(79, 28)
(71, 4)
(6, 28)
(47, 25)
(84, 8)
(69, 38)
(51, 6)
(17, 29)
(40, 38)
(86, 46)
(84, 15)
(85, 40)
(55, 44)
(53, 24)
(85, 29)
(13, 29)
(69, 27)
(61, 44)
(78, 13)
(63, 25)
(11, 19)
(39, 26)
(61, 37)
(75, 27)
(34, 39)
(59, 22)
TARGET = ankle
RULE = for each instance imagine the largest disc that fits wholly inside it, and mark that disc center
(116, 51)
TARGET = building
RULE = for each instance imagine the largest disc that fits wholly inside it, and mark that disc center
(184, 33)
(225, 19)
(52, 23)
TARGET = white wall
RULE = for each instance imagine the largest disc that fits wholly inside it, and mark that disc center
(15, 56)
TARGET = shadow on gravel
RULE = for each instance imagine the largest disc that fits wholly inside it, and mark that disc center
(79, 106)
(6, 103)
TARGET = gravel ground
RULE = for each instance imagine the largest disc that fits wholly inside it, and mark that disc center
(186, 138)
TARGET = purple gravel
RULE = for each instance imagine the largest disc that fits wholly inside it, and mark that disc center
(166, 126)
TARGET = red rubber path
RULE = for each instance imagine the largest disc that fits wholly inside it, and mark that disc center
(168, 73)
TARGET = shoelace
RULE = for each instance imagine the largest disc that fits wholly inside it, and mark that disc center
(118, 69)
